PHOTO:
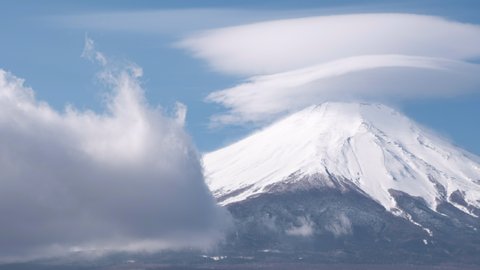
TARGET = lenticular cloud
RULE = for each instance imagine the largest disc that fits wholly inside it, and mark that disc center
(282, 45)
(367, 77)
(128, 179)
(293, 63)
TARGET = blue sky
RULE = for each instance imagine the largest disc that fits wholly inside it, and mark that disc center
(42, 43)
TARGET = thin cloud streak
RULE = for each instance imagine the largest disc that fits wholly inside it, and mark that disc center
(178, 22)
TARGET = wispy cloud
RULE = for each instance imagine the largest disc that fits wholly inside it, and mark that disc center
(127, 179)
(296, 62)
(169, 21)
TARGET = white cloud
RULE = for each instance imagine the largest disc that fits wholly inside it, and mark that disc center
(91, 54)
(283, 45)
(339, 225)
(298, 62)
(305, 228)
(127, 179)
(180, 113)
(377, 77)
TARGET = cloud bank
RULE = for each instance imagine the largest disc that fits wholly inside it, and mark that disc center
(128, 179)
(296, 62)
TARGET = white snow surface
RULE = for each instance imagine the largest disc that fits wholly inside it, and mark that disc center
(371, 145)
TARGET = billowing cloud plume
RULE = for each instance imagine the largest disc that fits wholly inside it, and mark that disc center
(296, 62)
(128, 179)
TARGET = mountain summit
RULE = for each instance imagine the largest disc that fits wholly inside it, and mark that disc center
(349, 177)
(368, 146)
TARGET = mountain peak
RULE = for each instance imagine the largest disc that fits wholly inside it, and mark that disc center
(351, 113)
(371, 147)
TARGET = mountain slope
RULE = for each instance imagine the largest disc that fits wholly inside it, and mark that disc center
(348, 182)
(368, 147)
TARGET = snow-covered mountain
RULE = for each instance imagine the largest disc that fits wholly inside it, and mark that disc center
(369, 146)
(348, 182)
